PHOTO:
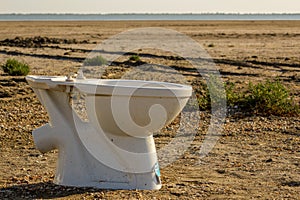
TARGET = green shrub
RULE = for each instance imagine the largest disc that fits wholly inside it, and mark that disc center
(95, 61)
(211, 94)
(270, 98)
(15, 68)
(233, 98)
(135, 58)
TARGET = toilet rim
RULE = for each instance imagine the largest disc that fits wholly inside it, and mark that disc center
(121, 87)
(117, 87)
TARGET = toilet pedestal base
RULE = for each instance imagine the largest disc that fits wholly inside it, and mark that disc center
(76, 165)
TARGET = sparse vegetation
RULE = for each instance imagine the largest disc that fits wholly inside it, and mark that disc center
(233, 98)
(211, 94)
(211, 45)
(269, 98)
(14, 67)
(135, 58)
(95, 61)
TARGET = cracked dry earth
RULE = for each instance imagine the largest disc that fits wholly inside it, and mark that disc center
(255, 157)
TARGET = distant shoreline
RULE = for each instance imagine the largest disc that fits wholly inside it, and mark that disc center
(146, 16)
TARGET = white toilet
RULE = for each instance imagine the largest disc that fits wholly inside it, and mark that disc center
(114, 148)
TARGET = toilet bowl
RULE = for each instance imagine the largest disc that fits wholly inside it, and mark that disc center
(114, 148)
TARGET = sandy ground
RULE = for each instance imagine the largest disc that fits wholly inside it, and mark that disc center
(256, 157)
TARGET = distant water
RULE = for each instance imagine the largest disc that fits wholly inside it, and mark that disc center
(112, 17)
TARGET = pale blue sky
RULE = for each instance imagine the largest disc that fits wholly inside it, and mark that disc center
(149, 6)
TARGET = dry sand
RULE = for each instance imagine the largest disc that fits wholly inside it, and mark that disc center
(256, 157)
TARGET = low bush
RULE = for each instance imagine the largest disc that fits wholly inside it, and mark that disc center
(211, 94)
(95, 61)
(15, 68)
(135, 58)
(268, 98)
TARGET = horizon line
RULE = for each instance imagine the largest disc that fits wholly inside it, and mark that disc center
(149, 13)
